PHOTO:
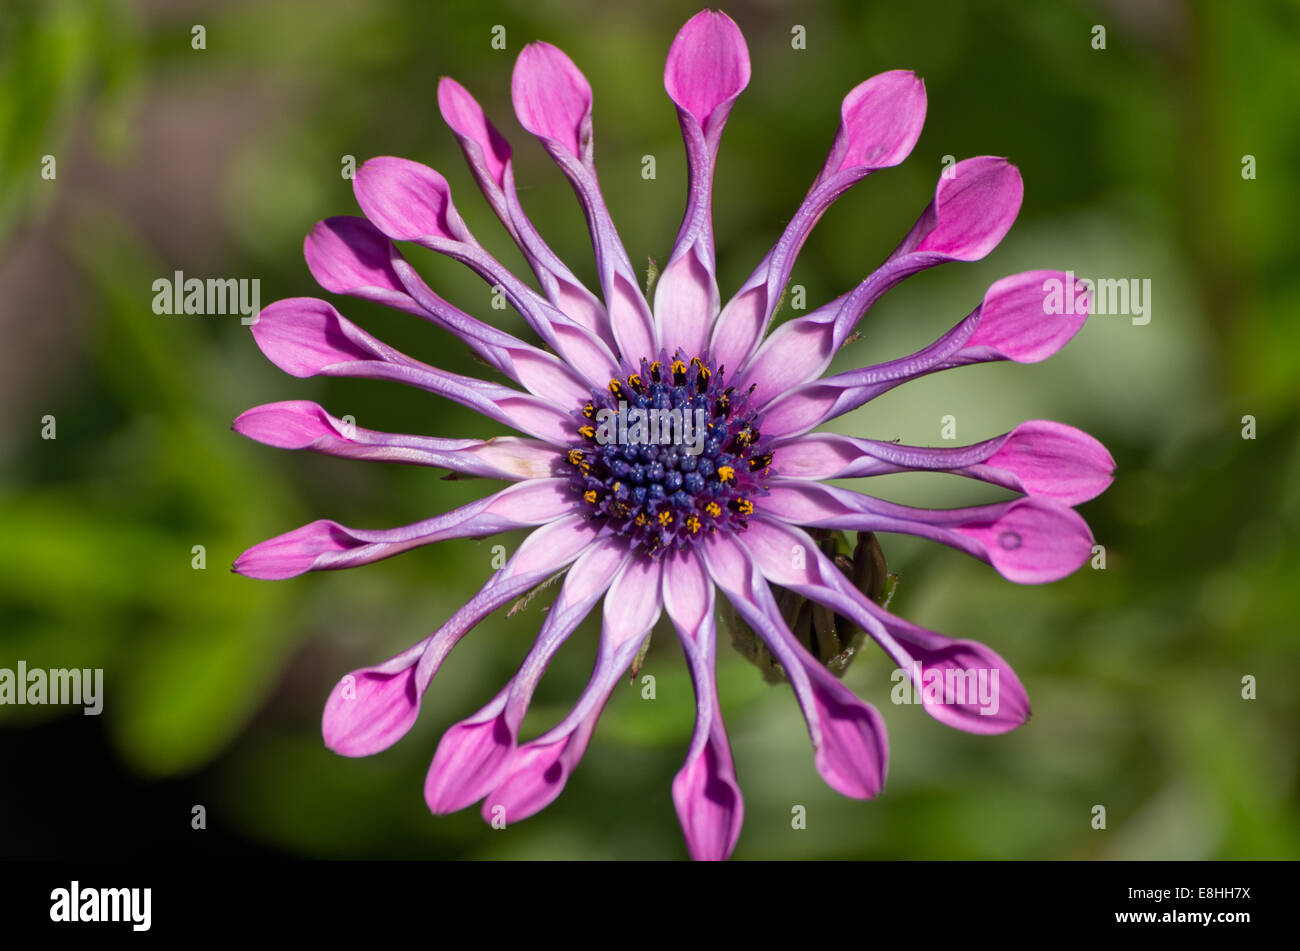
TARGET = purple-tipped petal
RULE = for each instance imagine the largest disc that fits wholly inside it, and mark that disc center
(468, 758)
(705, 792)
(472, 755)
(372, 708)
(1030, 540)
(962, 684)
(1038, 457)
(552, 98)
(848, 735)
(488, 155)
(1015, 323)
(974, 206)
(538, 772)
(349, 255)
(1054, 460)
(408, 201)
(484, 147)
(301, 424)
(1034, 541)
(325, 545)
(553, 101)
(708, 801)
(303, 336)
(880, 121)
(708, 65)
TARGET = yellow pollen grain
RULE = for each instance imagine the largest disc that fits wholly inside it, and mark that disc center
(714, 509)
(665, 518)
(590, 496)
(727, 474)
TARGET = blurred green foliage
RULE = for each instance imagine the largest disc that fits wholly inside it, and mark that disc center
(218, 160)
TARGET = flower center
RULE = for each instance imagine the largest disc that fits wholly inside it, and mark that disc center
(669, 455)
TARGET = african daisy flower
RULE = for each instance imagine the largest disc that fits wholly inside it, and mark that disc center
(725, 499)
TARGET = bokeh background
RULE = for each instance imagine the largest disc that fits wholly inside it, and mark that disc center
(216, 162)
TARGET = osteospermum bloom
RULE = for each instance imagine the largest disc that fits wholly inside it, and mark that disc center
(726, 502)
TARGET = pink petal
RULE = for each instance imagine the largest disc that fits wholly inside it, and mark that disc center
(705, 792)
(552, 98)
(303, 336)
(881, 119)
(348, 255)
(537, 774)
(708, 65)
(1015, 324)
(467, 761)
(1000, 705)
(1054, 460)
(962, 675)
(975, 204)
(1034, 541)
(848, 735)
(293, 424)
(477, 135)
(708, 802)
(473, 754)
(686, 300)
(371, 709)
(326, 545)
(408, 201)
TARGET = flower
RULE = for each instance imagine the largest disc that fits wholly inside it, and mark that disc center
(723, 497)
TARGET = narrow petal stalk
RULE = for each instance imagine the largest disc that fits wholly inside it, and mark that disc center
(552, 100)
(408, 201)
(473, 752)
(489, 157)
(301, 424)
(707, 68)
(1030, 540)
(1039, 457)
(372, 708)
(1013, 322)
(848, 735)
(307, 337)
(705, 792)
(537, 771)
(975, 203)
(880, 121)
(325, 545)
(960, 683)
